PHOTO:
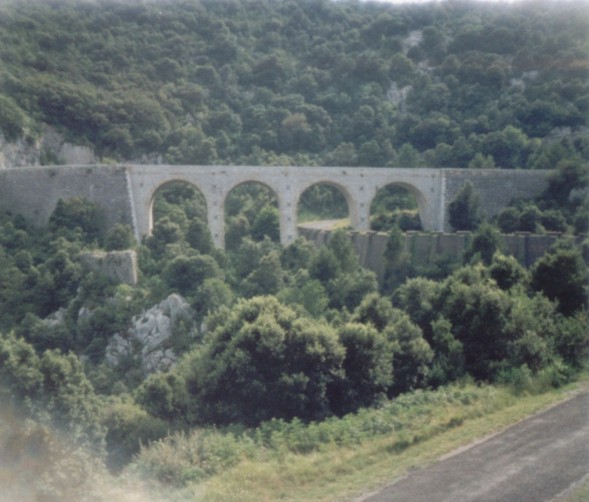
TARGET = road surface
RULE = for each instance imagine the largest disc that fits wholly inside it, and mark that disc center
(532, 461)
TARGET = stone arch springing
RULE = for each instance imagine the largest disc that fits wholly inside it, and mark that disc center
(397, 204)
(251, 209)
(325, 200)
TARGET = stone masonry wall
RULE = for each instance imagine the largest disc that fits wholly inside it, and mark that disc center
(495, 187)
(34, 192)
(125, 193)
(425, 248)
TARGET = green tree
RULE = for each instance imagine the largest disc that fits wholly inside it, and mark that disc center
(264, 361)
(485, 243)
(396, 260)
(448, 360)
(77, 213)
(266, 224)
(561, 275)
(508, 272)
(186, 273)
(368, 367)
(198, 236)
(266, 279)
(464, 210)
(508, 220)
(412, 354)
(51, 388)
(119, 237)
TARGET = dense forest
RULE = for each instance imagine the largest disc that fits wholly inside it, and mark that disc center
(270, 347)
(308, 82)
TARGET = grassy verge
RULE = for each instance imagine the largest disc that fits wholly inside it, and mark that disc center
(577, 493)
(341, 459)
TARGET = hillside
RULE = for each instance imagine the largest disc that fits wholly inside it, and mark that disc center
(313, 82)
(262, 371)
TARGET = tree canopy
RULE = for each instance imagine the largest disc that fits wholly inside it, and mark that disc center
(314, 82)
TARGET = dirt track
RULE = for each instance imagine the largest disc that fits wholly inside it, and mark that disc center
(533, 461)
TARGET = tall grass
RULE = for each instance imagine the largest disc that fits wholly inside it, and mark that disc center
(292, 460)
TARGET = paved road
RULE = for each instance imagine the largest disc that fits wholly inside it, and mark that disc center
(533, 461)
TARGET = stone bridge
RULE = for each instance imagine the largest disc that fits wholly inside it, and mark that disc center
(126, 193)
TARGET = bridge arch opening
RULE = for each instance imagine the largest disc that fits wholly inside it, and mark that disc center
(251, 210)
(326, 202)
(396, 204)
(178, 211)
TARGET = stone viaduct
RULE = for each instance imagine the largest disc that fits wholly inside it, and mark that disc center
(126, 192)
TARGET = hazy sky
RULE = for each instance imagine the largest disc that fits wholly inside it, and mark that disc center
(426, 1)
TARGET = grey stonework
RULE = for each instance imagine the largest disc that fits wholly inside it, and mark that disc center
(424, 248)
(126, 193)
(120, 266)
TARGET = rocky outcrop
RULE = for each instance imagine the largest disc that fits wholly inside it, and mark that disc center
(50, 148)
(148, 341)
(120, 266)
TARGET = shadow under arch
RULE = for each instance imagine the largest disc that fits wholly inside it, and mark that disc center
(397, 203)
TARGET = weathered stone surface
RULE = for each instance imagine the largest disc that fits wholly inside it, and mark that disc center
(424, 248)
(27, 152)
(147, 341)
(120, 266)
(125, 193)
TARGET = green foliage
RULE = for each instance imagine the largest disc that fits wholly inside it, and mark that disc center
(164, 395)
(128, 428)
(508, 272)
(194, 456)
(13, 121)
(51, 387)
(266, 83)
(186, 273)
(393, 205)
(77, 214)
(561, 275)
(265, 362)
(199, 237)
(486, 242)
(412, 354)
(322, 201)
(464, 210)
(119, 237)
(335, 84)
(266, 224)
(368, 367)
(396, 260)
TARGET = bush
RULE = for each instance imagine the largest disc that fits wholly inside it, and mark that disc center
(119, 237)
(264, 361)
(78, 213)
(561, 275)
(368, 367)
(128, 427)
(464, 210)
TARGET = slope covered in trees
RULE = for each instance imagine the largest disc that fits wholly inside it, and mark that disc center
(455, 83)
(287, 348)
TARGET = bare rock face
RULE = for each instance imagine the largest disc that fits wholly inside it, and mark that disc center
(51, 145)
(148, 339)
(120, 266)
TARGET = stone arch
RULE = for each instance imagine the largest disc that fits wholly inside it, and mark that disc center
(167, 183)
(420, 198)
(341, 189)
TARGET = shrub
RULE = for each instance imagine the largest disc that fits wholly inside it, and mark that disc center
(264, 362)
